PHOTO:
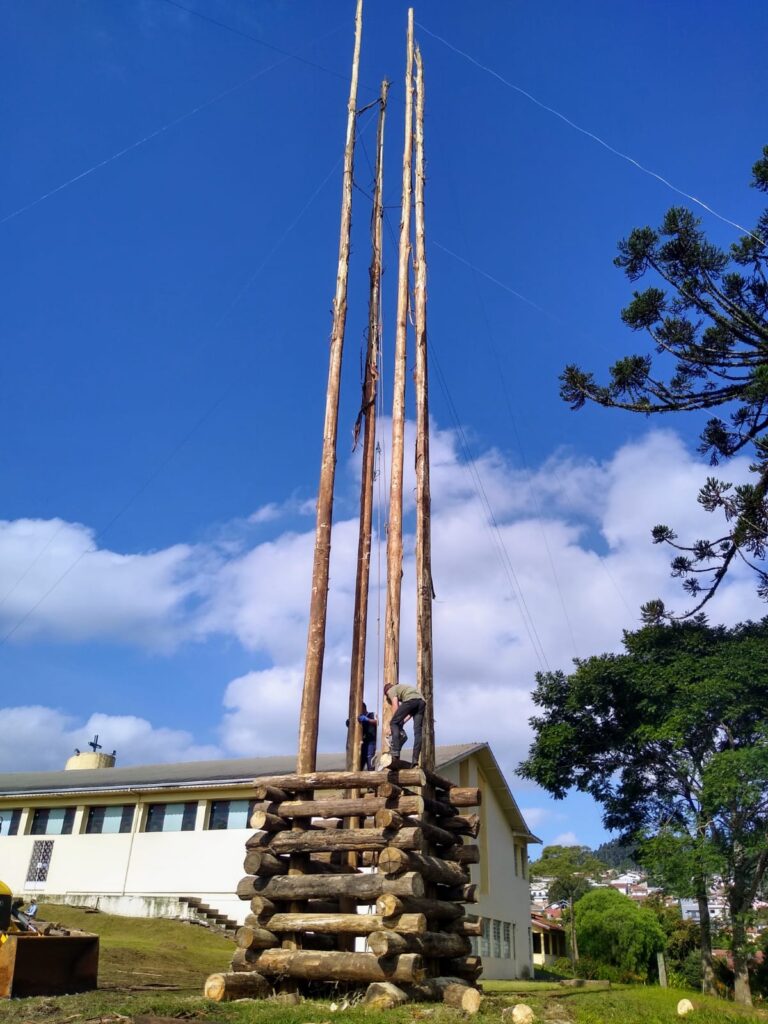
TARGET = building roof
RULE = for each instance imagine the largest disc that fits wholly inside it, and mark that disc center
(184, 773)
(234, 772)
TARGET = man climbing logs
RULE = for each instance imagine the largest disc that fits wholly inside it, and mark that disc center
(406, 702)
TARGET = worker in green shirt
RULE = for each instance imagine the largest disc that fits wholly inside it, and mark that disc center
(406, 702)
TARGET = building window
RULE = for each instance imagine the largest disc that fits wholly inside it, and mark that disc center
(9, 822)
(53, 821)
(103, 820)
(524, 861)
(496, 939)
(171, 817)
(229, 814)
(506, 951)
(485, 939)
(39, 862)
(537, 942)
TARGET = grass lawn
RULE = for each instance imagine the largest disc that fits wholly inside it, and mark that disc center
(158, 967)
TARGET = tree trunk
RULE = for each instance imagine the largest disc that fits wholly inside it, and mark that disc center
(424, 585)
(335, 966)
(742, 993)
(574, 945)
(318, 608)
(395, 524)
(221, 988)
(705, 943)
(261, 862)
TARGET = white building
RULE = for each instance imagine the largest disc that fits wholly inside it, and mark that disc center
(158, 840)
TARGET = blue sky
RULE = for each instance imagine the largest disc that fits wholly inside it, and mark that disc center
(165, 323)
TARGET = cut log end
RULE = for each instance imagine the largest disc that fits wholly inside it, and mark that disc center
(222, 988)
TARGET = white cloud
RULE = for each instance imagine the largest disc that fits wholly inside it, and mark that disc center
(561, 573)
(565, 839)
(41, 739)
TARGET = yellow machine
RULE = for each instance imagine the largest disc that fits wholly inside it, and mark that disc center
(36, 964)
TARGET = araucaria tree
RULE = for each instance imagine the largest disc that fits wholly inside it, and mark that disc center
(671, 738)
(709, 322)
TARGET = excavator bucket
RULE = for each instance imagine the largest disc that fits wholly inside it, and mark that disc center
(48, 965)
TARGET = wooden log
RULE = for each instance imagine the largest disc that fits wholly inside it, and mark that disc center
(463, 824)
(335, 966)
(221, 988)
(463, 796)
(394, 575)
(389, 819)
(342, 808)
(390, 907)
(438, 782)
(244, 960)
(365, 888)
(462, 967)
(346, 924)
(387, 942)
(341, 780)
(309, 714)
(319, 907)
(258, 841)
(389, 790)
(393, 861)
(264, 863)
(465, 926)
(466, 893)
(273, 794)
(433, 834)
(439, 808)
(462, 854)
(345, 839)
(383, 995)
(261, 909)
(267, 822)
(255, 937)
(451, 991)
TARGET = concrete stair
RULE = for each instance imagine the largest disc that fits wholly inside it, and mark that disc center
(209, 915)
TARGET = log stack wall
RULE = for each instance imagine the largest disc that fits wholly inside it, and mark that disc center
(396, 844)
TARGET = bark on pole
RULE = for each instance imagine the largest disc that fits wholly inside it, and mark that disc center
(395, 524)
(313, 671)
(368, 410)
(424, 588)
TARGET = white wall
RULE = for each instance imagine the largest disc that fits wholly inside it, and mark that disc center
(504, 893)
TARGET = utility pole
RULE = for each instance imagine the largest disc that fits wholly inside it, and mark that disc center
(368, 410)
(395, 525)
(424, 587)
(318, 608)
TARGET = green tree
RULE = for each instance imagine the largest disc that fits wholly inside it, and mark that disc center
(671, 737)
(615, 930)
(710, 320)
(571, 869)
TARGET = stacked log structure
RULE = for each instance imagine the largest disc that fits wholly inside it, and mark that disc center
(400, 853)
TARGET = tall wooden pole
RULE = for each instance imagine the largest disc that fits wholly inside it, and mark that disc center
(395, 525)
(318, 608)
(360, 623)
(424, 588)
